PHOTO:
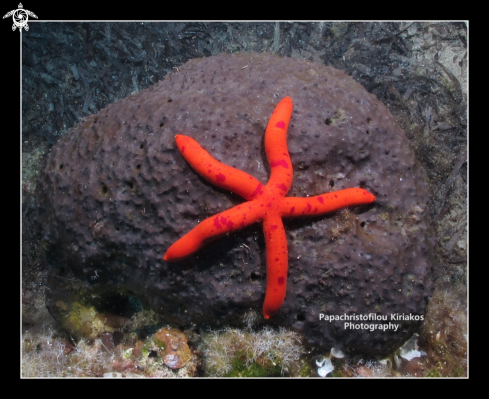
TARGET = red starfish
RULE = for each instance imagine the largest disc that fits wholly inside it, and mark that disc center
(264, 203)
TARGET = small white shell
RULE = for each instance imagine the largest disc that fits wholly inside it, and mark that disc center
(410, 349)
(325, 367)
(337, 353)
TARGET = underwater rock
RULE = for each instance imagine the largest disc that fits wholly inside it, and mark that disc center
(116, 193)
(173, 347)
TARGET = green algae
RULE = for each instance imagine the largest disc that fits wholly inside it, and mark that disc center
(31, 167)
(240, 368)
(247, 353)
(84, 321)
(102, 309)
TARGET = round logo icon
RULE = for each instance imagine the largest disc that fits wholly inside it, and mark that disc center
(20, 17)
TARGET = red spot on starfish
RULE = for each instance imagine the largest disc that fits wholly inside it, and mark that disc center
(220, 177)
(258, 196)
(282, 186)
(282, 163)
(258, 190)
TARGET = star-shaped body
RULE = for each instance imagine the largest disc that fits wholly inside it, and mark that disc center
(267, 204)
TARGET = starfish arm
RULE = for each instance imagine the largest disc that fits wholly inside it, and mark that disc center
(211, 228)
(215, 172)
(277, 264)
(281, 172)
(329, 202)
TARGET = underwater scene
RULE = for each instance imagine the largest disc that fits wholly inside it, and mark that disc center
(244, 199)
